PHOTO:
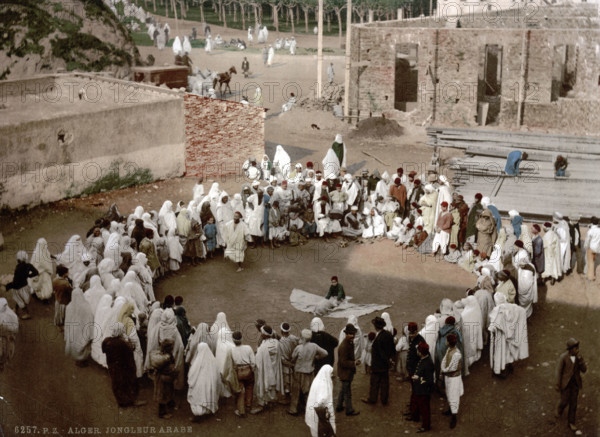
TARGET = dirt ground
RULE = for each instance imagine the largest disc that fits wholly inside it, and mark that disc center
(42, 388)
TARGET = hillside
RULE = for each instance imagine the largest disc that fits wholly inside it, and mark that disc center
(42, 36)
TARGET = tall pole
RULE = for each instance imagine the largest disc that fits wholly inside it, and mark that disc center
(320, 51)
(347, 76)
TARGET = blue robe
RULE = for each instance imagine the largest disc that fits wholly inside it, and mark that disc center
(441, 348)
(538, 254)
(496, 215)
(266, 201)
(512, 163)
(210, 232)
(516, 224)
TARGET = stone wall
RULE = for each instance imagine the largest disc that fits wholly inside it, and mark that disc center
(221, 135)
(454, 59)
(55, 149)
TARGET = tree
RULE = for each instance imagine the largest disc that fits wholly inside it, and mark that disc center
(290, 5)
(337, 6)
(307, 5)
(360, 8)
(275, 6)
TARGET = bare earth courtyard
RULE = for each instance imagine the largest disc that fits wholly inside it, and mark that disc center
(44, 393)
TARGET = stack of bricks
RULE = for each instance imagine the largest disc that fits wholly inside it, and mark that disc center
(221, 135)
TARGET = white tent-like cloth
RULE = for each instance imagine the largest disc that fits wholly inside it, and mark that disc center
(315, 304)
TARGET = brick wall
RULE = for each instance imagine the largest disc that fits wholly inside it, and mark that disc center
(459, 70)
(221, 135)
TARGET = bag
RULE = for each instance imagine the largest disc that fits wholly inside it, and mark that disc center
(244, 372)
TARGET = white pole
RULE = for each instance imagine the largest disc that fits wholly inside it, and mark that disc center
(347, 77)
(320, 51)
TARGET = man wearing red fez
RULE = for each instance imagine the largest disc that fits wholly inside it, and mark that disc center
(420, 236)
(422, 387)
(474, 213)
(443, 227)
(451, 368)
(336, 290)
(538, 250)
(398, 192)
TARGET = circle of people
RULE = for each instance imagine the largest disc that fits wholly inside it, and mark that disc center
(105, 303)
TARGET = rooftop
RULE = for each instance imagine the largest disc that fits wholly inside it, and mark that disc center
(58, 95)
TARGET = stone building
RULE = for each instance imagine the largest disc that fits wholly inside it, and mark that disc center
(513, 69)
(62, 133)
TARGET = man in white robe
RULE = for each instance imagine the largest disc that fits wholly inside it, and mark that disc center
(335, 158)
(451, 367)
(527, 278)
(508, 335)
(236, 233)
(561, 227)
(552, 267)
(269, 372)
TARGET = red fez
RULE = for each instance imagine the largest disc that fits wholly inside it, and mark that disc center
(423, 348)
(372, 336)
(283, 182)
(547, 225)
(334, 278)
(475, 252)
(409, 226)
(453, 246)
(338, 185)
(452, 339)
(412, 173)
(460, 197)
(420, 228)
(309, 164)
(419, 211)
(537, 227)
(450, 320)
(506, 272)
(519, 243)
(445, 204)
(178, 300)
(479, 196)
(412, 327)
(414, 204)
(417, 181)
(399, 170)
(397, 181)
(483, 254)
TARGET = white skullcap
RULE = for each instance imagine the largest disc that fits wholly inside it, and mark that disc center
(22, 256)
(513, 213)
(485, 201)
(557, 216)
(308, 180)
(428, 188)
(443, 179)
(255, 184)
(354, 208)
(85, 257)
(298, 165)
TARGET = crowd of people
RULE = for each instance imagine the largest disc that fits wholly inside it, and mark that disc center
(106, 280)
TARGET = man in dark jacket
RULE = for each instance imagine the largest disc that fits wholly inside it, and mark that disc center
(422, 387)
(412, 360)
(568, 380)
(346, 370)
(382, 352)
(21, 291)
